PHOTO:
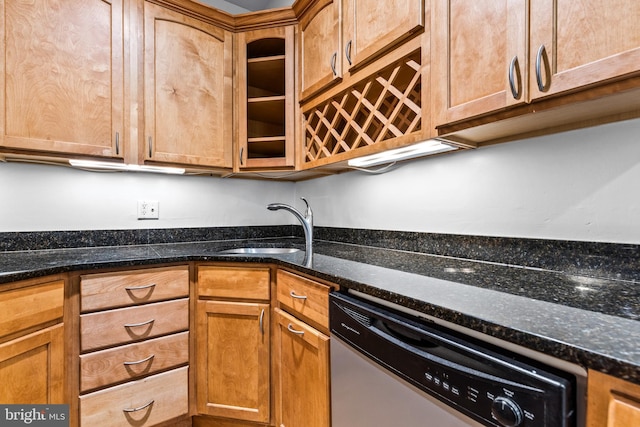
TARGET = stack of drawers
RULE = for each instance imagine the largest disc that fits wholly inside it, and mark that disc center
(134, 347)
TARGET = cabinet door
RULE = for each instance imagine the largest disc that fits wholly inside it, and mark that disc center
(479, 45)
(585, 42)
(320, 47)
(187, 90)
(32, 368)
(371, 27)
(304, 394)
(612, 402)
(265, 98)
(62, 76)
(233, 360)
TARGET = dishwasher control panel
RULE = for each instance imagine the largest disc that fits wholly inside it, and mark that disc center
(492, 386)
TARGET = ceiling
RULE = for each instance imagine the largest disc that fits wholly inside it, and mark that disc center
(243, 6)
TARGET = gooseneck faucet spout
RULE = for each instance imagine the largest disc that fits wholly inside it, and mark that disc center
(306, 220)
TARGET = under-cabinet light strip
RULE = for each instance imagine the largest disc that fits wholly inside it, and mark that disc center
(98, 165)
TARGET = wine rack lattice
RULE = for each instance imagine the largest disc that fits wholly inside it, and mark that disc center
(383, 106)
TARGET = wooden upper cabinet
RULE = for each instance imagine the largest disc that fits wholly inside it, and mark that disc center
(478, 47)
(188, 90)
(265, 76)
(371, 27)
(585, 42)
(62, 88)
(320, 47)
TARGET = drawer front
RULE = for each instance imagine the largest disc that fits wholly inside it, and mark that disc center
(102, 368)
(110, 290)
(126, 325)
(145, 402)
(304, 297)
(234, 282)
(31, 306)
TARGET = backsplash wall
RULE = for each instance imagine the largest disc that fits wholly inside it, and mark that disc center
(580, 185)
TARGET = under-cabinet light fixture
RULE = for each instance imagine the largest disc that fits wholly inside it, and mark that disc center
(431, 146)
(112, 166)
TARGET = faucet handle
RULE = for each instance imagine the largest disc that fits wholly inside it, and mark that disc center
(308, 213)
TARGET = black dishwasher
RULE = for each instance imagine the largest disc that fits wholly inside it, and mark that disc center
(382, 360)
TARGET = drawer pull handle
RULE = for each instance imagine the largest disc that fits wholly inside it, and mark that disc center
(135, 325)
(296, 296)
(139, 361)
(139, 408)
(293, 331)
(137, 288)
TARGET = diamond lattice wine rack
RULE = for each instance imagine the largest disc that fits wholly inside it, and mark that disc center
(383, 106)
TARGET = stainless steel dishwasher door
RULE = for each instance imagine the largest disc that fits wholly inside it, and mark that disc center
(363, 394)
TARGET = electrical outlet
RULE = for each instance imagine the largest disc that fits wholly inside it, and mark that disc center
(148, 209)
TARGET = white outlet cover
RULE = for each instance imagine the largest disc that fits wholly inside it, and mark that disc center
(148, 209)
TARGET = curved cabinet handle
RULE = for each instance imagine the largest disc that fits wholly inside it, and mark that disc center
(334, 58)
(117, 143)
(293, 331)
(139, 408)
(241, 156)
(137, 288)
(262, 322)
(139, 361)
(347, 52)
(296, 296)
(135, 325)
(150, 147)
(514, 75)
(540, 57)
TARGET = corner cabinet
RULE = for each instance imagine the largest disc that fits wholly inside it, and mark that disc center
(188, 90)
(62, 73)
(32, 363)
(266, 98)
(612, 402)
(233, 333)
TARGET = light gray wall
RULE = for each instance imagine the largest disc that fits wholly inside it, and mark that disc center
(39, 198)
(579, 185)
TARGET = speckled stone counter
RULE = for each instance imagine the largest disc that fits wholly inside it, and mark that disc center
(583, 317)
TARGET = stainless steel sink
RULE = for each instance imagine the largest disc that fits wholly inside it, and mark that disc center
(259, 251)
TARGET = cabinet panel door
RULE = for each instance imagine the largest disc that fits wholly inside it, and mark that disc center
(585, 41)
(476, 43)
(320, 47)
(32, 368)
(304, 395)
(233, 360)
(375, 26)
(62, 86)
(612, 402)
(188, 72)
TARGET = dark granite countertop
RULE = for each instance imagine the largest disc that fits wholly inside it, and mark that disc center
(590, 321)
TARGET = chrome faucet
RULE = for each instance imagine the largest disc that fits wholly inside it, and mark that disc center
(306, 220)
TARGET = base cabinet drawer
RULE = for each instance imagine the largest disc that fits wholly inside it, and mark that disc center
(126, 325)
(124, 363)
(139, 403)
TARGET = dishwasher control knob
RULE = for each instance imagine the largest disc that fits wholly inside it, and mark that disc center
(506, 411)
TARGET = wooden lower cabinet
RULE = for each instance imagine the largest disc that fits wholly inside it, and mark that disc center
(32, 348)
(32, 368)
(303, 398)
(612, 402)
(145, 402)
(233, 360)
